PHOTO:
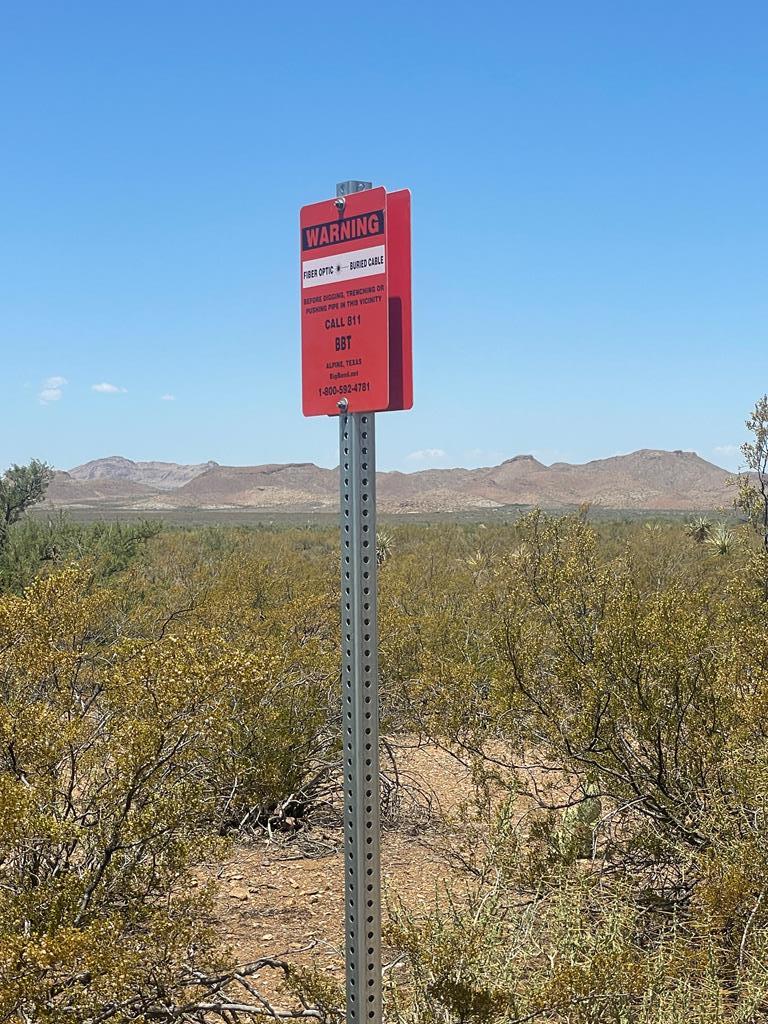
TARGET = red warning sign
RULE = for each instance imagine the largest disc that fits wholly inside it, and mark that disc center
(345, 304)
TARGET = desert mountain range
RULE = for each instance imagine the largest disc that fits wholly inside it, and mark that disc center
(644, 480)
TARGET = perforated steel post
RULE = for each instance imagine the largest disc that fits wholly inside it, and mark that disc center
(360, 715)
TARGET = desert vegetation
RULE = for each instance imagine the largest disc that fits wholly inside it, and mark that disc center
(171, 695)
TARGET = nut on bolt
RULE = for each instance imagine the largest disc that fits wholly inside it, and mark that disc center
(342, 404)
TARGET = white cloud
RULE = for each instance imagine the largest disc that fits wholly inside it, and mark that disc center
(52, 389)
(50, 395)
(426, 454)
(108, 389)
(728, 450)
(167, 398)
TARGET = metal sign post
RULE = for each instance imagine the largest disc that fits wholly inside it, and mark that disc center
(360, 716)
(356, 358)
(360, 706)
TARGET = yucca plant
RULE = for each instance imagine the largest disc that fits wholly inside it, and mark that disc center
(383, 547)
(699, 529)
(477, 562)
(721, 538)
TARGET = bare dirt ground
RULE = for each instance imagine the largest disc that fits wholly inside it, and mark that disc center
(277, 898)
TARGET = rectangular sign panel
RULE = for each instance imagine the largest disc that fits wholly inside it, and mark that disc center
(398, 227)
(344, 304)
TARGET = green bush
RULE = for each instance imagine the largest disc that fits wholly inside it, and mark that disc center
(619, 697)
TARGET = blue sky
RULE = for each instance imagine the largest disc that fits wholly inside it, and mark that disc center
(590, 222)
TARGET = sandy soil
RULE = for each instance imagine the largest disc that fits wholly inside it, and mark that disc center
(276, 898)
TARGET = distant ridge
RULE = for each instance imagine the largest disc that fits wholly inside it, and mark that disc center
(162, 475)
(649, 479)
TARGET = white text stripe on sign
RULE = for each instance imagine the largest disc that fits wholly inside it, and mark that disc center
(346, 267)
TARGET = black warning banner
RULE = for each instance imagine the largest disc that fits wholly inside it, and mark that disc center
(345, 229)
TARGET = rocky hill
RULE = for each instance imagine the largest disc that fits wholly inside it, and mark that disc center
(164, 476)
(296, 485)
(66, 489)
(644, 480)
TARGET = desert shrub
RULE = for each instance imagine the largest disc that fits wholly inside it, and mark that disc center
(43, 544)
(122, 755)
(576, 953)
(272, 617)
(21, 487)
(618, 695)
(103, 804)
(606, 682)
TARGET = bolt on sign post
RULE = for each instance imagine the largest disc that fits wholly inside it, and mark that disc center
(356, 361)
